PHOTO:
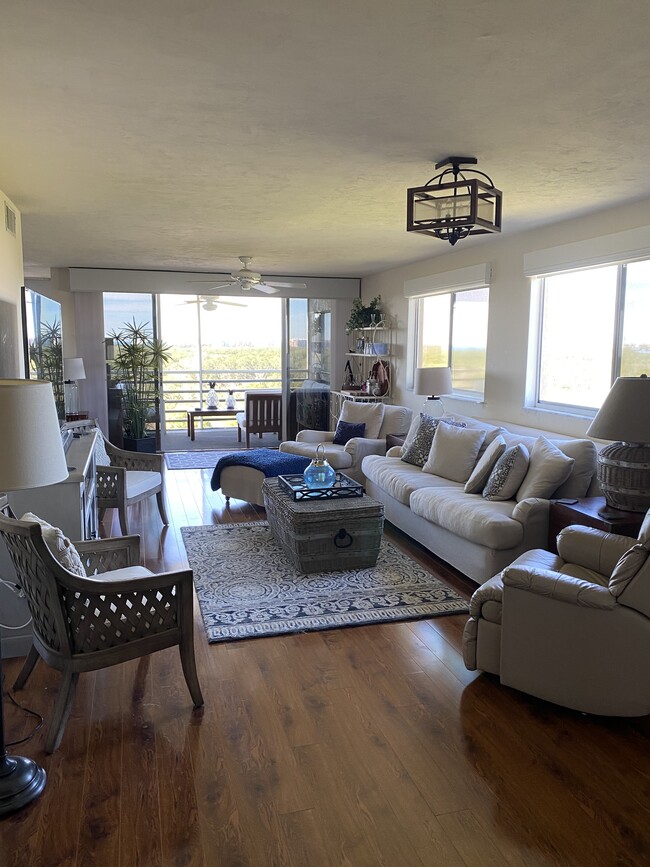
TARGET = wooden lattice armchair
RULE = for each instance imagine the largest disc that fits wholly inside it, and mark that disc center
(263, 414)
(122, 612)
(131, 477)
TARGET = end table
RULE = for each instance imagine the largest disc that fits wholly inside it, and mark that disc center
(585, 511)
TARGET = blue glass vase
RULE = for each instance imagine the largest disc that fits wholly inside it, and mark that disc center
(319, 474)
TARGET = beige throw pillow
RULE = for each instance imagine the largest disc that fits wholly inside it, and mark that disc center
(371, 414)
(59, 545)
(548, 468)
(508, 474)
(481, 472)
(453, 452)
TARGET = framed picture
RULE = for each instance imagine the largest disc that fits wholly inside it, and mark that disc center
(9, 368)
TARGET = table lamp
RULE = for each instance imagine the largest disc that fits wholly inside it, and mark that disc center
(432, 381)
(623, 468)
(73, 370)
(31, 455)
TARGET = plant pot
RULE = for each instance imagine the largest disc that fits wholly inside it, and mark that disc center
(142, 444)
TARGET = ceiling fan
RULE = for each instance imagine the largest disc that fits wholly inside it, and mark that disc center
(210, 302)
(248, 279)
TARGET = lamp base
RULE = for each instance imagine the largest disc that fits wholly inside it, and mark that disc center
(623, 473)
(21, 781)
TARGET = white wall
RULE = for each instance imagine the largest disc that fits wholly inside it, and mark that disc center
(11, 271)
(509, 311)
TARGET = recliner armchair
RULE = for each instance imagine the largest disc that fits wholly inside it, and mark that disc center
(571, 628)
(347, 458)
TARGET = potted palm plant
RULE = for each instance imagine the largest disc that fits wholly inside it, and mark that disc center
(138, 356)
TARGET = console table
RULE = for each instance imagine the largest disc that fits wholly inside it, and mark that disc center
(70, 504)
(207, 413)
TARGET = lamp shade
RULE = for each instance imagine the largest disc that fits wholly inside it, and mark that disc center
(31, 448)
(625, 413)
(432, 381)
(73, 368)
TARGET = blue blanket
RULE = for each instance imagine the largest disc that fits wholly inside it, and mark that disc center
(269, 461)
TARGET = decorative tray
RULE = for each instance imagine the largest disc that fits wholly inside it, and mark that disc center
(344, 486)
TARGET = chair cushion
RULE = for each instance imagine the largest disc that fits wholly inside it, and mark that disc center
(241, 419)
(508, 474)
(548, 468)
(139, 482)
(481, 472)
(372, 414)
(346, 430)
(453, 452)
(122, 574)
(59, 545)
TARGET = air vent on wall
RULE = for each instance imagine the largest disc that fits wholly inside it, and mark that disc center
(10, 219)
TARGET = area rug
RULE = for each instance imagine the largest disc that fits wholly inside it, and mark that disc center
(194, 460)
(247, 588)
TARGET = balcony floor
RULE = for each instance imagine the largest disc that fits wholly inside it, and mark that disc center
(214, 438)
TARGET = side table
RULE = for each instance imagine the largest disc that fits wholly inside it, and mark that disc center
(585, 511)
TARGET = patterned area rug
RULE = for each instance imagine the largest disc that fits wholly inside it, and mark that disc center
(194, 460)
(247, 588)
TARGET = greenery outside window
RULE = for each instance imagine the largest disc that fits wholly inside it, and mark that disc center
(451, 331)
(592, 327)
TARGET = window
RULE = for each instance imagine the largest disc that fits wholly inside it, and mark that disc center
(593, 327)
(452, 331)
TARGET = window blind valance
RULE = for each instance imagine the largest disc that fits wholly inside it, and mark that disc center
(473, 277)
(604, 250)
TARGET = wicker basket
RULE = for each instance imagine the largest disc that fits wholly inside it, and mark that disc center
(324, 535)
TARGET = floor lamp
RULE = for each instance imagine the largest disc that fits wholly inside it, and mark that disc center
(31, 455)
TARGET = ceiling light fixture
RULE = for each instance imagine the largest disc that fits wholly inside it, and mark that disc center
(453, 209)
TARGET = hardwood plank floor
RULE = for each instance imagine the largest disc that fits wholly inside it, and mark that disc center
(364, 746)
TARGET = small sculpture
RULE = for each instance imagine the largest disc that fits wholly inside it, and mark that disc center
(212, 400)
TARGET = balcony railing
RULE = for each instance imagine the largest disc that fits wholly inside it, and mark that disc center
(186, 389)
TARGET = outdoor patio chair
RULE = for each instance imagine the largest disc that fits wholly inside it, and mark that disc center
(262, 414)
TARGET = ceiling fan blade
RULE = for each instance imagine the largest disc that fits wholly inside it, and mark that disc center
(266, 288)
(285, 285)
(232, 303)
(225, 281)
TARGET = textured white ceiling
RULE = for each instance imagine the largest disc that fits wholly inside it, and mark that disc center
(180, 134)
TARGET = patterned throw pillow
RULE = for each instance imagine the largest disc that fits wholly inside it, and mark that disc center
(60, 546)
(481, 472)
(345, 431)
(418, 452)
(508, 474)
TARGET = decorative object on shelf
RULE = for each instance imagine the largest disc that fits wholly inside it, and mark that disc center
(452, 205)
(212, 398)
(73, 370)
(319, 473)
(231, 403)
(136, 367)
(361, 316)
(623, 468)
(31, 456)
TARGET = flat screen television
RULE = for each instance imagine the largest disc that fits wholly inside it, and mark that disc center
(43, 342)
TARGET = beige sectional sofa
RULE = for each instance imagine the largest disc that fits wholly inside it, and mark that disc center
(477, 536)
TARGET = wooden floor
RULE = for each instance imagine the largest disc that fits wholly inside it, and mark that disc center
(364, 746)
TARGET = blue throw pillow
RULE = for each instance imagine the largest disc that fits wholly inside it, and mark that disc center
(345, 430)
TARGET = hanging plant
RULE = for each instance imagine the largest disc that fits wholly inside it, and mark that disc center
(361, 315)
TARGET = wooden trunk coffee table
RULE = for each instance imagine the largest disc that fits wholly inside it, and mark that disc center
(324, 535)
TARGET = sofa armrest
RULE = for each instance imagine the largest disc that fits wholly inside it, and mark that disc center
(530, 509)
(360, 447)
(555, 585)
(314, 436)
(394, 452)
(591, 548)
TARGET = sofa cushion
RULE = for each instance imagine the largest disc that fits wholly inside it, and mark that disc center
(346, 430)
(507, 474)
(453, 452)
(491, 431)
(399, 479)
(584, 454)
(481, 472)
(59, 545)
(548, 467)
(372, 414)
(396, 420)
(469, 516)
